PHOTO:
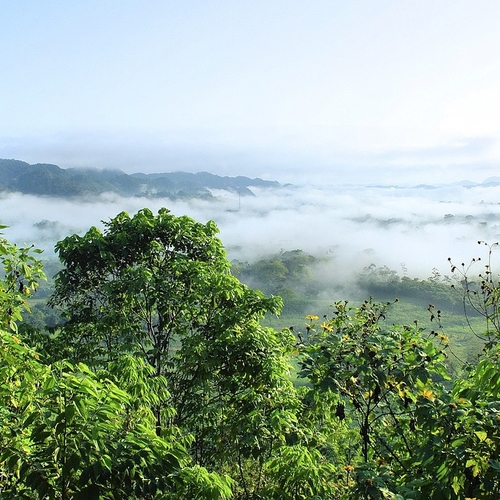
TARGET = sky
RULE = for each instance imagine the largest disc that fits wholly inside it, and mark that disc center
(319, 91)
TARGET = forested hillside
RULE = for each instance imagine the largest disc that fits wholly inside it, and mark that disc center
(154, 377)
(51, 180)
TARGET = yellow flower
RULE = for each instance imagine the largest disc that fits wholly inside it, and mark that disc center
(16, 339)
(349, 468)
(312, 317)
(428, 394)
(327, 327)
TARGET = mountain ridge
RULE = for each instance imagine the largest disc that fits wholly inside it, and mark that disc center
(45, 179)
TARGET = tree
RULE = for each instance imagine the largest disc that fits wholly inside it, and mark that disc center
(68, 432)
(288, 274)
(462, 455)
(378, 376)
(160, 286)
(420, 435)
(22, 272)
(459, 456)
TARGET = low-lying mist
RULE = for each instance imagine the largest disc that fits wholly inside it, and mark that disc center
(411, 230)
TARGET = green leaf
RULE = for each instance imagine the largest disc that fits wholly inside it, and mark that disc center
(482, 435)
(31, 418)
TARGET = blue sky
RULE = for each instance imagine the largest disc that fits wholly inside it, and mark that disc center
(330, 91)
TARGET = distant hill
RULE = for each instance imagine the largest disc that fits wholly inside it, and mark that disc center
(490, 182)
(51, 180)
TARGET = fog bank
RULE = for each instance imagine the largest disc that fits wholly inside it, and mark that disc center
(353, 225)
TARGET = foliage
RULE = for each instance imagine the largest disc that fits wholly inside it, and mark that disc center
(160, 287)
(419, 438)
(71, 433)
(68, 432)
(288, 274)
(21, 275)
(384, 283)
(146, 281)
(464, 449)
(378, 375)
(300, 472)
(460, 458)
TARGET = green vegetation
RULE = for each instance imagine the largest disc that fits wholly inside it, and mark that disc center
(51, 180)
(154, 376)
(289, 275)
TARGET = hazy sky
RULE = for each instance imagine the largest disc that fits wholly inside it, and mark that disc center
(349, 91)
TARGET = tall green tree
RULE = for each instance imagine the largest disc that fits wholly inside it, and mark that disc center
(160, 286)
(67, 432)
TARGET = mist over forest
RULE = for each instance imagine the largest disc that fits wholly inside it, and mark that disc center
(409, 229)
